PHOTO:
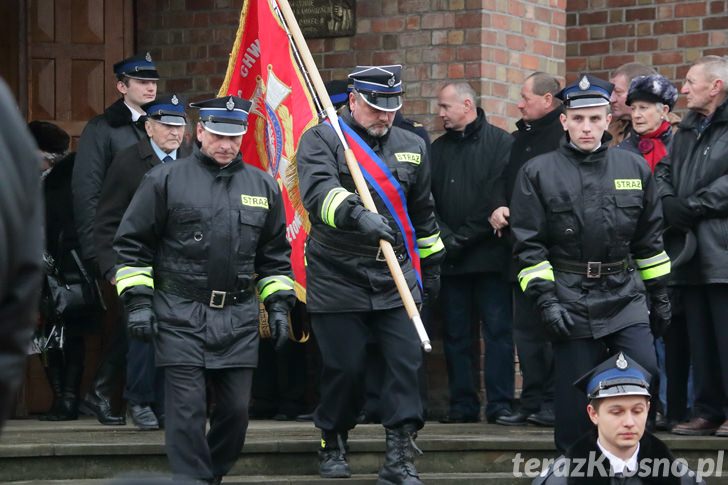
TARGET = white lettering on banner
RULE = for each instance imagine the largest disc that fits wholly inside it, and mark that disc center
(252, 54)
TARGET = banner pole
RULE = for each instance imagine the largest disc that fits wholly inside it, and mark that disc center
(351, 162)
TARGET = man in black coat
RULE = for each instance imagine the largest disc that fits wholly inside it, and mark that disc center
(539, 131)
(467, 162)
(105, 136)
(165, 124)
(21, 220)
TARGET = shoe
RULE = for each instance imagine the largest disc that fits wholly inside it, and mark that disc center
(456, 418)
(544, 417)
(283, 417)
(696, 427)
(96, 405)
(723, 430)
(498, 414)
(515, 419)
(143, 417)
(399, 459)
(332, 455)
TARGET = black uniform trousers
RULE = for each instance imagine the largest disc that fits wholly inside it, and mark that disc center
(144, 382)
(574, 358)
(190, 452)
(279, 381)
(535, 355)
(342, 340)
(677, 360)
(706, 308)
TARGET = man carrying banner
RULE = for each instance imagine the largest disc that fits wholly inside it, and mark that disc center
(351, 294)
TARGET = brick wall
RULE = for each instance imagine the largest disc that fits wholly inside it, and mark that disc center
(669, 35)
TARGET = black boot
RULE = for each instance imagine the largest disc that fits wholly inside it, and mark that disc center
(54, 373)
(399, 460)
(332, 455)
(98, 400)
(68, 409)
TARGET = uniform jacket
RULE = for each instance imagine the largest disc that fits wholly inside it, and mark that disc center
(697, 170)
(466, 168)
(414, 127)
(601, 206)
(122, 179)
(210, 228)
(21, 233)
(651, 448)
(104, 136)
(342, 272)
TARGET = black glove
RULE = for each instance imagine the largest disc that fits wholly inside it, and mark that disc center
(140, 322)
(278, 323)
(453, 247)
(660, 311)
(430, 285)
(557, 320)
(677, 213)
(375, 225)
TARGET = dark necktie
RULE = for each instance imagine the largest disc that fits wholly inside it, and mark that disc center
(167, 159)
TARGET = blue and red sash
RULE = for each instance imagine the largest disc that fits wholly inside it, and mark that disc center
(380, 178)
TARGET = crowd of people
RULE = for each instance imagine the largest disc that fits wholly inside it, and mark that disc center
(597, 228)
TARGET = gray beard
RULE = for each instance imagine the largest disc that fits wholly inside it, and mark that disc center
(376, 133)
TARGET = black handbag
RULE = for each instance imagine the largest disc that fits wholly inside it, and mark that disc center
(74, 294)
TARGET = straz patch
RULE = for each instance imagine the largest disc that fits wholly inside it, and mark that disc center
(628, 184)
(408, 157)
(253, 201)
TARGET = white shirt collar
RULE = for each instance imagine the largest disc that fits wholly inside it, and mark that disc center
(135, 115)
(160, 153)
(618, 465)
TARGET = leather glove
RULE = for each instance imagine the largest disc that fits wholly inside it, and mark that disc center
(453, 248)
(141, 321)
(557, 320)
(677, 213)
(430, 286)
(660, 311)
(375, 225)
(278, 322)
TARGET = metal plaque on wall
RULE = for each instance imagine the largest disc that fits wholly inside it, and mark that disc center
(325, 18)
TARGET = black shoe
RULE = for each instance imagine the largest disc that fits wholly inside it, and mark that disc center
(455, 418)
(399, 459)
(143, 417)
(544, 417)
(501, 413)
(332, 456)
(95, 405)
(518, 418)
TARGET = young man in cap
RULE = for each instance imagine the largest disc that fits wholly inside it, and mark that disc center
(198, 236)
(165, 126)
(102, 138)
(578, 216)
(351, 293)
(618, 449)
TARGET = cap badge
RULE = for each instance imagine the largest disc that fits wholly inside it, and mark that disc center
(148, 57)
(390, 81)
(621, 362)
(230, 105)
(584, 84)
(175, 101)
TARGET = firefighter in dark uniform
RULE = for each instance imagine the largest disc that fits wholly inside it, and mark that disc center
(351, 294)
(198, 235)
(587, 225)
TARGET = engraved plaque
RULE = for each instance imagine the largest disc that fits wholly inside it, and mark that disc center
(325, 18)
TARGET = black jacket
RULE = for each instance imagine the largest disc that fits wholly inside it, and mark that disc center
(651, 449)
(60, 228)
(697, 171)
(104, 136)
(342, 272)
(121, 181)
(577, 207)
(466, 168)
(21, 233)
(207, 228)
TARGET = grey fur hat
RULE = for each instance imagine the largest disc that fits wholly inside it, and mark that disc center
(654, 89)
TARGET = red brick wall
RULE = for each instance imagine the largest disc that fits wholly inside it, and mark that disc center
(667, 34)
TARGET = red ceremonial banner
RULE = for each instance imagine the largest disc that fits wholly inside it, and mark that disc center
(263, 69)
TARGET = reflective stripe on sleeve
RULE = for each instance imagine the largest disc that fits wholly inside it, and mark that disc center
(332, 202)
(654, 267)
(128, 276)
(430, 245)
(542, 270)
(271, 284)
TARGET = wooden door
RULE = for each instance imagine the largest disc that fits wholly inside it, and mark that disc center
(72, 47)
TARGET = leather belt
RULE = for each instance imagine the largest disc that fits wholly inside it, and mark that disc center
(591, 269)
(212, 298)
(360, 249)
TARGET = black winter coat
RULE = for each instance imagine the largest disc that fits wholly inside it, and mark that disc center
(60, 229)
(209, 228)
(571, 206)
(651, 449)
(466, 169)
(104, 137)
(696, 170)
(121, 181)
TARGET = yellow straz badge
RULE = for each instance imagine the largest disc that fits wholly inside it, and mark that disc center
(253, 201)
(628, 184)
(408, 157)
